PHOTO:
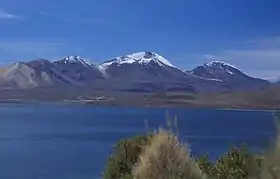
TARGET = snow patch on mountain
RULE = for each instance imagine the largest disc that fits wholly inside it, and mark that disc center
(220, 63)
(102, 70)
(77, 59)
(208, 79)
(229, 72)
(142, 58)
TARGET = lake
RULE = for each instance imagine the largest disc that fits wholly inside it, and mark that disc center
(55, 141)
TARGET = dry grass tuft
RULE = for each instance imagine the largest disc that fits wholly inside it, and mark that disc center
(166, 158)
(271, 163)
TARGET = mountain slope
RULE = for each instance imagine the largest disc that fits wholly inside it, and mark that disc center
(78, 69)
(23, 76)
(229, 74)
(43, 73)
(50, 69)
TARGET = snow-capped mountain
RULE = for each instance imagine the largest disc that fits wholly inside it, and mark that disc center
(148, 71)
(78, 69)
(141, 58)
(216, 70)
(141, 66)
(227, 73)
(139, 72)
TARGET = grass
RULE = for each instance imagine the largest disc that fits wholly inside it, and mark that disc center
(166, 158)
(270, 168)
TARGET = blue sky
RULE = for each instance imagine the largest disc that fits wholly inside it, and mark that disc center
(245, 33)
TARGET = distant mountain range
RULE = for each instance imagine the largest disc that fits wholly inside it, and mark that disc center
(137, 72)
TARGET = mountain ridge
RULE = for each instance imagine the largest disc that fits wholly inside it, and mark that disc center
(141, 71)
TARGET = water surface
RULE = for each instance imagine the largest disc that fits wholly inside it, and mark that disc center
(46, 141)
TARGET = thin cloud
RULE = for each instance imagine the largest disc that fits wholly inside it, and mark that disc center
(31, 46)
(86, 20)
(74, 18)
(93, 20)
(4, 15)
(267, 42)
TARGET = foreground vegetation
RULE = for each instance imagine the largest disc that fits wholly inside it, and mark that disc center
(160, 155)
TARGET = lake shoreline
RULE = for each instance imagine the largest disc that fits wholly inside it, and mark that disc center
(150, 104)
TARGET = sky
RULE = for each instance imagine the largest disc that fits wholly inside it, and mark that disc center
(244, 33)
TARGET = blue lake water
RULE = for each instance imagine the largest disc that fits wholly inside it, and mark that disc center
(47, 141)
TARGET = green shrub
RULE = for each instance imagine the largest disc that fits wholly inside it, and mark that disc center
(125, 156)
(205, 164)
(235, 164)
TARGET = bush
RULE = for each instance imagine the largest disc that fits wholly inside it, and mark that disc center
(125, 156)
(166, 158)
(236, 164)
(205, 164)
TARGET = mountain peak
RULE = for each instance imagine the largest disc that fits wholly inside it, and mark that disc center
(150, 56)
(219, 63)
(75, 59)
(142, 58)
(222, 67)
